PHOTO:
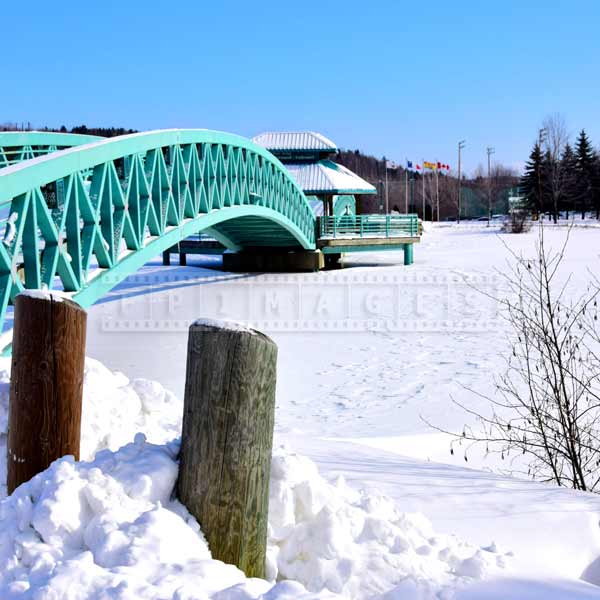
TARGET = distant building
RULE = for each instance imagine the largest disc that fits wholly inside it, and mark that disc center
(516, 200)
(330, 188)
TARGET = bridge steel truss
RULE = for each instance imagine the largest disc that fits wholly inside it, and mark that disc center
(17, 146)
(83, 219)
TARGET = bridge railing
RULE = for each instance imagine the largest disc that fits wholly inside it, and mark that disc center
(361, 226)
(19, 146)
(13, 155)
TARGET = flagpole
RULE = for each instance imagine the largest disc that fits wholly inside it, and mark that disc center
(406, 190)
(423, 165)
(387, 201)
(437, 191)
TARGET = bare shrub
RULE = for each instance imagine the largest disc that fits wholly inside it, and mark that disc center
(546, 410)
(517, 222)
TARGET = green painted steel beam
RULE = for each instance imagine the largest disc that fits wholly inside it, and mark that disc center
(51, 167)
(20, 146)
(44, 138)
(408, 254)
(362, 248)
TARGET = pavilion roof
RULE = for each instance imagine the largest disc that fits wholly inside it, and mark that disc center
(327, 177)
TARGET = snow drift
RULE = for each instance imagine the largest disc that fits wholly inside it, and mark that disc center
(111, 527)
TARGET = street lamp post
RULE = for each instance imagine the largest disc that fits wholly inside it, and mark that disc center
(387, 197)
(489, 151)
(461, 145)
(423, 182)
(437, 192)
(541, 140)
(406, 190)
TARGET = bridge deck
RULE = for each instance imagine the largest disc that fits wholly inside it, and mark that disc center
(335, 235)
(364, 244)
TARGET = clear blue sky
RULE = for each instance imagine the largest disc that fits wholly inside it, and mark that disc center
(388, 77)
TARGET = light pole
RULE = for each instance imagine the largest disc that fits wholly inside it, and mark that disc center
(489, 151)
(423, 182)
(541, 139)
(406, 189)
(461, 145)
(387, 197)
(437, 192)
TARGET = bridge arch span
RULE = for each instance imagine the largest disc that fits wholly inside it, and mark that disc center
(85, 217)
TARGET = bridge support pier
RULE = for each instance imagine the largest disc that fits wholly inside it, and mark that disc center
(408, 254)
(273, 261)
(332, 261)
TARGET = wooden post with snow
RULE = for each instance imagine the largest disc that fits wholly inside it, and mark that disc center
(227, 439)
(46, 384)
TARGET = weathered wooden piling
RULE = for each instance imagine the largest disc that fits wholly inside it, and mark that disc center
(227, 439)
(46, 384)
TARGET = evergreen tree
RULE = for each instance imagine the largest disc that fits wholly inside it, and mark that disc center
(531, 185)
(596, 185)
(569, 169)
(551, 184)
(587, 173)
(80, 129)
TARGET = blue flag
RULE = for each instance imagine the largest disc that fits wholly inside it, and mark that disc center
(409, 164)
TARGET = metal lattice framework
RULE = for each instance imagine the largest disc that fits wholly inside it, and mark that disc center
(17, 146)
(83, 219)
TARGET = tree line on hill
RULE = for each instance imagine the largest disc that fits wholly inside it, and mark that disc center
(406, 188)
(561, 178)
(81, 129)
(107, 132)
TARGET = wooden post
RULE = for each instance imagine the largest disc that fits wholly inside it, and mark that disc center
(227, 439)
(46, 384)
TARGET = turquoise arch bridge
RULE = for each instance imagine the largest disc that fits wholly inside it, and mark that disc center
(83, 218)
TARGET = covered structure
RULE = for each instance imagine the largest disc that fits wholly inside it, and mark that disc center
(330, 188)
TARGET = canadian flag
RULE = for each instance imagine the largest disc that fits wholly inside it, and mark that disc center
(418, 167)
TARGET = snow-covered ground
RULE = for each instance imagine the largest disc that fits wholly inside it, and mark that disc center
(111, 528)
(366, 355)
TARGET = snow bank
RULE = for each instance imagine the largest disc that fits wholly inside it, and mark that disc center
(114, 409)
(359, 543)
(111, 528)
